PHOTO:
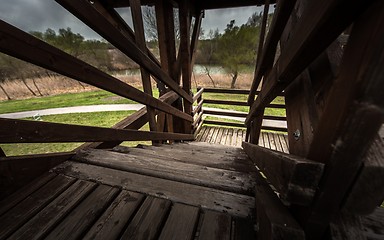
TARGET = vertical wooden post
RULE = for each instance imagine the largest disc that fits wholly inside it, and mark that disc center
(185, 26)
(254, 130)
(140, 41)
(167, 46)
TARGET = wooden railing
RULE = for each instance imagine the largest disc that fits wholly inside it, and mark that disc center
(273, 122)
(169, 117)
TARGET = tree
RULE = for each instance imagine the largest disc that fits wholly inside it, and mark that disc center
(207, 49)
(237, 48)
(150, 24)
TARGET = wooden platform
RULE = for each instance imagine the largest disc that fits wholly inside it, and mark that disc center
(235, 136)
(181, 191)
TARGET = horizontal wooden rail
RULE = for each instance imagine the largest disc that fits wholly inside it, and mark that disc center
(198, 94)
(295, 178)
(23, 131)
(198, 107)
(26, 47)
(313, 35)
(225, 113)
(134, 121)
(221, 123)
(233, 91)
(225, 102)
(87, 13)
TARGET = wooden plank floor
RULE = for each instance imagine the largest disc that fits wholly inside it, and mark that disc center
(181, 191)
(235, 136)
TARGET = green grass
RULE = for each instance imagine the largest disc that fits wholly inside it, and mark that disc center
(107, 119)
(64, 100)
(100, 119)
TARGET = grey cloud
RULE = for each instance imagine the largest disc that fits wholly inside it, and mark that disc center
(38, 15)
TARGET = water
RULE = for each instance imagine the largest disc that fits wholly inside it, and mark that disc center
(197, 69)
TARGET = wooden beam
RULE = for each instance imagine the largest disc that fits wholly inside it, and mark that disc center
(198, 95)
(267, 56)
(319, 26)
(352, 117)
(17, 171)
(185, 48)
(295, 178)
(140, 41)
(274, 219)
(115, 19)
(346, 226)
(28, 48)
(134, 121)
(85, 11)
(226, 90)
(166, 35)
(221, 123)
(368, 190)
(23, 131)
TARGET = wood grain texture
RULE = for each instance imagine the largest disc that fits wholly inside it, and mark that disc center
(215, 226)
(173, 170)
(18, 171)
(274, 219)
(148, 220)
(43, 222)
(113, 221)
(85, 214)
(368, 190)
(232, 203)
(295, 178)
(181, 223)
(12, 200)
(16, 217)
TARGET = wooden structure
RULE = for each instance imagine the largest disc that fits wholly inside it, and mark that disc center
(325, 57)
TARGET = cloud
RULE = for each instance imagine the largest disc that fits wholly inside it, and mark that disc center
(38, 15)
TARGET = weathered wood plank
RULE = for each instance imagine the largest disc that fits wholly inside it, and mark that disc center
(374, 224)
(222, 123)
(18, 171)
(148, 220)
(275, 221)
(43, 222)
(173, 170)
(94, 19)
(216, 156)
(26, 47)
(111, 224)
(234, 204)
(346, 226)
(11, 201)
(368, 190)
(24, 131)
(17, 216)
(85, 214)
(295, 178)
(181, 223)
(215, 226)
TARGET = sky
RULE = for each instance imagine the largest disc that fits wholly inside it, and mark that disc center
(38, 15)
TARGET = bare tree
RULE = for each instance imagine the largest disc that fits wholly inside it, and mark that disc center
(149, 16)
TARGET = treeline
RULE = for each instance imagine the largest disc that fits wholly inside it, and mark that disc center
(234, 50)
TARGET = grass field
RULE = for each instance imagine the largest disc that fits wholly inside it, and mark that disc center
(92, 119)
(88, 119)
